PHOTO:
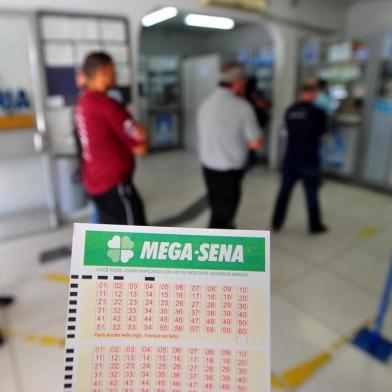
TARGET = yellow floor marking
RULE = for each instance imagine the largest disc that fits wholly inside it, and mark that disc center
(30, 337)
(296, 376)
(57, 278)
(276, 382)
(45, 340)
(51, 341)
(368, 231)
(339, 343)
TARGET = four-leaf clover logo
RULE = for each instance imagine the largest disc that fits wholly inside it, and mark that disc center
(120, 249)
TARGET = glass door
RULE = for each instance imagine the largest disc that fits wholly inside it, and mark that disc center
(26, 196)
(378, 158)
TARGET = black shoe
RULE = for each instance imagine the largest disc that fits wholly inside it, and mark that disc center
(321, 230)
(6, 301)
(1, 339)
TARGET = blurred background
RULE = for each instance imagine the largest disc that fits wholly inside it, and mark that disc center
(324, 289)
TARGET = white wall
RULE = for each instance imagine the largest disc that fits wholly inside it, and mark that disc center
(369, 17)
(324, 14)
(172, 42)
(249, 36)
(190, 42)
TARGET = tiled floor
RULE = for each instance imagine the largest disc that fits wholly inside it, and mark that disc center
(322, 288)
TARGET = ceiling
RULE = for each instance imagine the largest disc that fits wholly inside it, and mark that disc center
(177, 25)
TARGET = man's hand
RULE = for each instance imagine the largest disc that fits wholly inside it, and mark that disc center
(140, 136)
(255, 144)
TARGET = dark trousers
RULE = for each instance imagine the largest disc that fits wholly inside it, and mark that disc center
(121, 205)
(224, 194)
(311, 179)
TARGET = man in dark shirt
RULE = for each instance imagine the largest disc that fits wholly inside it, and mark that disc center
(109, 138)
(305, 124)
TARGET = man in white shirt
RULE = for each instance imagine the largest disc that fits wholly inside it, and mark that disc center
(227, 128)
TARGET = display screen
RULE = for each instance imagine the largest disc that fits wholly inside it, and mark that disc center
(340, 52)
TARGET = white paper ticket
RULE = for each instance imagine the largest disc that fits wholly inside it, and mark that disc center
(168, 310)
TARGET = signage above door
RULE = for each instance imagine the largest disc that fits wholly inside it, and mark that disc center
(15, 109)
(249, 5)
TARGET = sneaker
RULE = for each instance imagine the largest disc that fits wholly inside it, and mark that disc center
(322, 230)
(6, 301)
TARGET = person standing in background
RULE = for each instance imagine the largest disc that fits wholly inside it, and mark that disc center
(109, 138)
(306, 124)
(256, 98)
(114, 93)
(334, 148)
(4, 302)
(323, 100)
(262, 108)
(227, 129)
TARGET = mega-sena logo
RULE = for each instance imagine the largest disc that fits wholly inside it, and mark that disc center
(179, 251)
(122, 249)
(174, 251)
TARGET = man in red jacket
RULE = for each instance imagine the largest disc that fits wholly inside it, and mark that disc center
(110, 138)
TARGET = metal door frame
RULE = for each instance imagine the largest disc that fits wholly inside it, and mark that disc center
(38, 88)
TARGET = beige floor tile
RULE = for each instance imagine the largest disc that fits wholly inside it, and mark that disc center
(296, 336)
(351, 371)
(333, 300)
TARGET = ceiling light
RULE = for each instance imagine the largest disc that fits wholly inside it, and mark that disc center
(159, 16)
(211, 22)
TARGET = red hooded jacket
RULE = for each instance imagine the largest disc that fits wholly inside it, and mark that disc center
(107, 135)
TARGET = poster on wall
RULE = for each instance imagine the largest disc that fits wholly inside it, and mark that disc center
(340, 52)
(168, 309)
(387, 46)
(310, 51)
(262, 56)
(165, 129)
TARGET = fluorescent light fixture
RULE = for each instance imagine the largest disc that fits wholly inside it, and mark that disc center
(159, 16)
(211, 22)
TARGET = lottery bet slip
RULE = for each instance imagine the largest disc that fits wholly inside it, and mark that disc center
(168, 310)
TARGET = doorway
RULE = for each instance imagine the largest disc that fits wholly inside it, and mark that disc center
(180, 66)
